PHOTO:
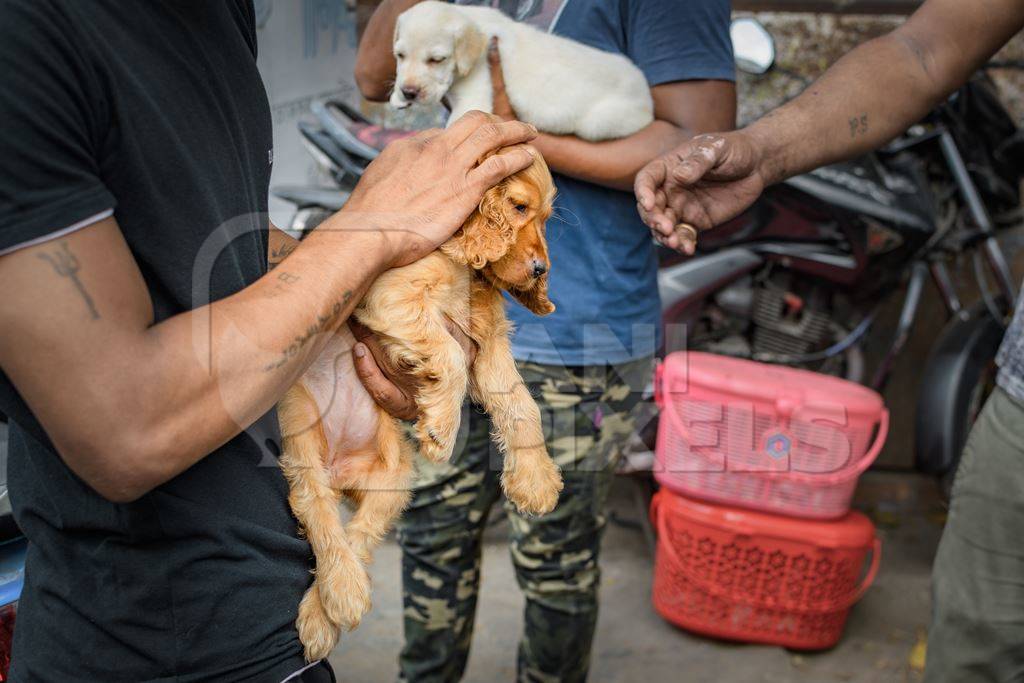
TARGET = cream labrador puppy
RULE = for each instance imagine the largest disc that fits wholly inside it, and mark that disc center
(559, 85)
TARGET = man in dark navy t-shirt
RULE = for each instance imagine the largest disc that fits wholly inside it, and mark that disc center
(143, 331)
(587, 363)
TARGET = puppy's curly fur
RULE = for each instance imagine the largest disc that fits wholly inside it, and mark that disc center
(338, 444)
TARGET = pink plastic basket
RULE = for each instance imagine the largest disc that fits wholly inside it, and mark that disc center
(763, 436)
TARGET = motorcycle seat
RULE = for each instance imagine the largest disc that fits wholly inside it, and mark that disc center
(337, 126)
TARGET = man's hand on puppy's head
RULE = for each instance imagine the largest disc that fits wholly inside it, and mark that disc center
(392, 389)
(421, 189)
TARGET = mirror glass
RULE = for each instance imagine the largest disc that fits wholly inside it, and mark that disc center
(752, 46)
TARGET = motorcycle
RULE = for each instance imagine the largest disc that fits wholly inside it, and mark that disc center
(340, 155)
(800, 277)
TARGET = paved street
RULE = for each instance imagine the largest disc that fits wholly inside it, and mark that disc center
(634, 645)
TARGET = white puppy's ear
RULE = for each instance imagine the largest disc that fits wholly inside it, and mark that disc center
(470, 43)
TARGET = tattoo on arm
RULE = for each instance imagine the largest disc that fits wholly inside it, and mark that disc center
(858, 125)
(66, 264)
(916, 48)
(280, 253)
(322, 323)
(284, 279)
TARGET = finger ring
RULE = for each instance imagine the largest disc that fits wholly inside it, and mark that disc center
(687, 232)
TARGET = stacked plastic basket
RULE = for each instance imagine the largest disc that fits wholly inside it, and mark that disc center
(758, 463)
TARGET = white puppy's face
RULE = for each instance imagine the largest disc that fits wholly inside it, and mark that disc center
(434, 46)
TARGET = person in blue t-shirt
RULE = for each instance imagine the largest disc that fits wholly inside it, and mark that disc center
(587, 363)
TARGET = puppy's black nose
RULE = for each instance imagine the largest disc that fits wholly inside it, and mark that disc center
(539, 268)
(410, 92)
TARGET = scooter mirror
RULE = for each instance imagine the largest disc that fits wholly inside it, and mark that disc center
(752, 45)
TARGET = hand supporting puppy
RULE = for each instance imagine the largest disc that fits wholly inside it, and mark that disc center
(437, 179)
(500, 104)
(391, 389)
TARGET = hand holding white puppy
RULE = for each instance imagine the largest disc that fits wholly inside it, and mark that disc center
(559, 85)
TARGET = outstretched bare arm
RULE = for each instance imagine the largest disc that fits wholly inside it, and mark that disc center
(866, 99)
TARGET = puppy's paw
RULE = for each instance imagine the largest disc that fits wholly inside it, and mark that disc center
(316, 631)
(345, 592)
(533, 482)
(362, 545)
(436, 446)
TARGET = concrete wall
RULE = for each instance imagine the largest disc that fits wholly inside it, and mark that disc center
(808, 43)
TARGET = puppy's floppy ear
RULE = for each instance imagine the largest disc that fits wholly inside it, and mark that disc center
(470, 44)
(487, 234)
(536, 298)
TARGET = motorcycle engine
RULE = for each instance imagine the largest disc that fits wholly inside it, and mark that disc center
(768, 315)
(786, 323)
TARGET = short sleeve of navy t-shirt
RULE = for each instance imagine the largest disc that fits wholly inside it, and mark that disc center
(680, 41)
(603, 268)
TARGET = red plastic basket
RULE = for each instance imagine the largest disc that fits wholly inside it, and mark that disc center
(764, 436)
(758, 578)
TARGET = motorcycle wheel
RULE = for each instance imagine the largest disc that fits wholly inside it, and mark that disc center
(957, 380)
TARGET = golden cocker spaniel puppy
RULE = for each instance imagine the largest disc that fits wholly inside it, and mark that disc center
(339, 444)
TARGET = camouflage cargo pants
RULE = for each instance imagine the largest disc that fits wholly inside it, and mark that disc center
(587, 413)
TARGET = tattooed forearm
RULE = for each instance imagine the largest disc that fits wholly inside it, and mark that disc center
(66, 264)
(323, 322)
(284, 281)
(858, 125)
(300, 341)
(916, 48)
(281, 252)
